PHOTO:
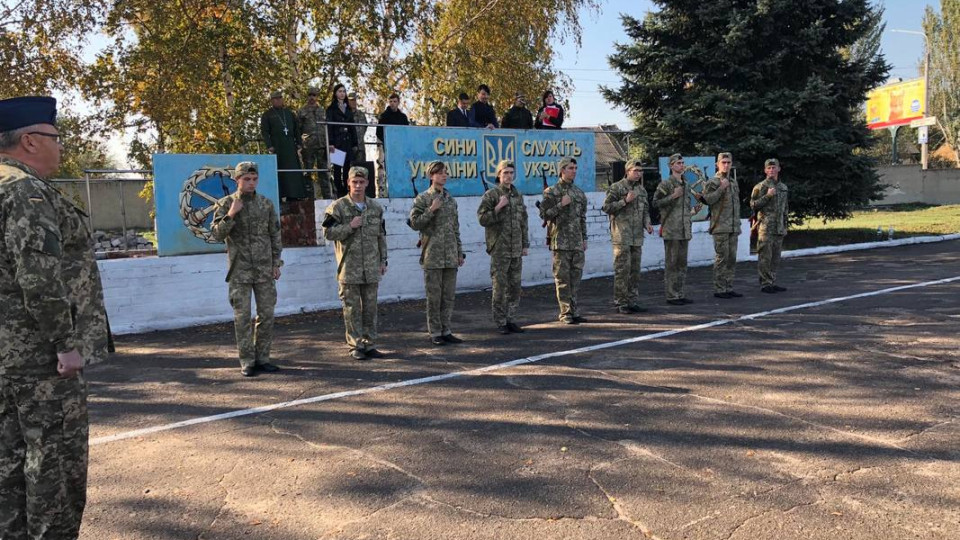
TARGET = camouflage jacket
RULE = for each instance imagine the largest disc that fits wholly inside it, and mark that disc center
(771, 212)
(360, 117)
(252, 237)
(675, 214)
(627, 219)
(49, 281)
(313, 126)
(507, 230)
(566, 225)
(724, 206)
(440, 245)
(361, 251)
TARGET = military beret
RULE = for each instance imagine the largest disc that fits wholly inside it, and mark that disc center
(503, 165)
(675, 158)
(519, 95)
(435, 166)
(567, 161)
(352, 95)
(724, 155)
(358, 171)
(19, 112)
(771, 161)
(245, 167)
(634, 164)
(313, 91)
(276, 94)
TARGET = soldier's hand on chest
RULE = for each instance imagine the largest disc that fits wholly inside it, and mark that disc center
(235, 207)
(503, 202)
(565, 200)
(631, 196)
(677, 192)
(435, 205)
(771, 192)
(357, 221)
(724, 183)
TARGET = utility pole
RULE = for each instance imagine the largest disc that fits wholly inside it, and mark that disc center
(924, 151)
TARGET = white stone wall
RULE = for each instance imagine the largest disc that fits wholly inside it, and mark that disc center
(161, 293)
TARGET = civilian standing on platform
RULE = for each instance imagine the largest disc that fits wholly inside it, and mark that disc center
(343, 138)
(626, 203)
(392, 116)
(315, 151)
(360, 117)
(672, 197)
(482, 114)
(281, 133)
(564, 208)
(434, 215)
(518, 116)
(769, 201)
(722, 194)
(459, 116)
(504, 219)
(355, 224)
(550, 115)
(248, 223)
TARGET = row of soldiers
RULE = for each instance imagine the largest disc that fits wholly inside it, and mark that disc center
(355, 224)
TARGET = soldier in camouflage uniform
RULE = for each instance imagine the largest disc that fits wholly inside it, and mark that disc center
(355, 223)
(672, 197)
(434, 215)
(769, 201)
(53, 324)
(564, 207)
(504, 219)
(248, 223)
(360, 117)
(314, 149)
(722, 194)
(626, 203)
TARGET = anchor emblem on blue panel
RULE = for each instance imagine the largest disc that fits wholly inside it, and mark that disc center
(497, 148)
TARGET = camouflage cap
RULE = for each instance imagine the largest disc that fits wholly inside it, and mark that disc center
(724, 155)
(352, 95)
(674, 158)
(313, 91)
(503, 165)
(435, 166)
(276, 94)
(771, 161)
(634, 164)
(567, 160)
(245, 167)
(358, 171)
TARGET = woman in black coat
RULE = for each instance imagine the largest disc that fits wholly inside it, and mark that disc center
(550, 115)
(342, 137)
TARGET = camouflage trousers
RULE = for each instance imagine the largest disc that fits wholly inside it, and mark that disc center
(768, 257)
(724, 261)
(675, 267)
(626, 275)
(381, 176)
(567, 271)
(441, 286)
(505, 275)
(360, 314)
(253, 342)
(316, 158)
(43, 458)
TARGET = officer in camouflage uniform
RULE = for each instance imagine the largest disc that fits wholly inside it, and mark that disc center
(314, 148)
(564, 207)
(769, 201)
(355, 223)
(248, 223)
(53, 324)
(722, 194)
(626, 204)
(504, 219)
(672, 197)
(434, 215)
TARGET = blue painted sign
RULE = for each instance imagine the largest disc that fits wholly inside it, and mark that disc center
(699, 169)
(185, 189)
(471, 156)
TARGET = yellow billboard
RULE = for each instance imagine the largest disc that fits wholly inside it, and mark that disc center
(896, 104)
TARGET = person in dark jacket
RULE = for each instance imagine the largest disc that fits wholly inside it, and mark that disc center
(344, 138)
(518, 117)
(482, 114)
(460, 115)
(392, 116)
(550, 115)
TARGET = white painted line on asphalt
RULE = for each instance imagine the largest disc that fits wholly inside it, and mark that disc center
(504, 365)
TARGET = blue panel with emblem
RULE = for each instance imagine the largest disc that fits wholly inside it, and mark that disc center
(185, 188)
(471, 156)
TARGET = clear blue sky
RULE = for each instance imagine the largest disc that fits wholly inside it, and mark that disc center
(589, 69)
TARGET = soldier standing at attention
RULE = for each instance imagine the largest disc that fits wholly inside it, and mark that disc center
(626, 203)
(314, 149)
(722, 195)
(672, 197)
(564, 207)
(53, 324)
(434, 215)
(504, 219)
(355, 224)
(248, 223)
(769, 201)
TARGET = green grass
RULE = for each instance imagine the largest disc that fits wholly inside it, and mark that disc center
(906, 220)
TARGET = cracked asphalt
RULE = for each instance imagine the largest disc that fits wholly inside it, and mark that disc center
(838, 421)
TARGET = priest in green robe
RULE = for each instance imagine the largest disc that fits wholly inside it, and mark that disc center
(281, 134)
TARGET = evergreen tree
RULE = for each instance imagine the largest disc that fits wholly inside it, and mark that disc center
(761, 79)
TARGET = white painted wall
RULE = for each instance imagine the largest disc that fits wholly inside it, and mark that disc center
(161, 293)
